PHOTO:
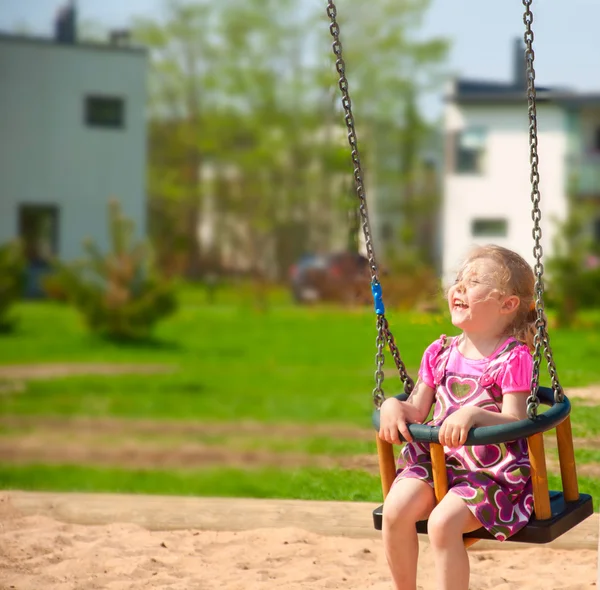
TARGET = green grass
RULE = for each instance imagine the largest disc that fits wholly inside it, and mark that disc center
(303, 366)
(585, 420)
(301, 484)
(288, 364)
(587, 485)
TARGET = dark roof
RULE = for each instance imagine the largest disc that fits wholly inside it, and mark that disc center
(483, 92)
(86, 45)
(466, 91)
(476, 91)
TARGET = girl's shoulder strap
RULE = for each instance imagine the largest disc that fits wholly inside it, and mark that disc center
(442, 356)
(508, 346)
(446, 341)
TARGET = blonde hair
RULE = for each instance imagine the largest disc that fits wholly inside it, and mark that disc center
(513, 276)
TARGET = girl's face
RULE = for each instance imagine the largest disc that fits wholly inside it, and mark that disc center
(475, 301)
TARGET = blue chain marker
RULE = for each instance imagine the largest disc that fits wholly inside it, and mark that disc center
(377, 298)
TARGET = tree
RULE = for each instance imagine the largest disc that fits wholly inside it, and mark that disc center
(118, 292)
(574, 267)
(245, 130)
(390, 67)
(182, 53)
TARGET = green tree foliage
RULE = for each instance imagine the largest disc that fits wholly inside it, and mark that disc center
(390, 67)
(12, 278)
(118, 293)
(246, 133)
(574, 267)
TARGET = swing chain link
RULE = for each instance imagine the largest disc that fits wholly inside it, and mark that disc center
(385, 335)
(409, 384)
(542, 337)
(383, 332)
(340, 66)
(378, 395)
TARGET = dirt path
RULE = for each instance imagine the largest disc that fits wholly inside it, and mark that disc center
(54, 370)
(136, 455)
(171, 444)
(139, 427)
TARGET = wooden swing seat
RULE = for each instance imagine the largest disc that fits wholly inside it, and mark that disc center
(557, 511)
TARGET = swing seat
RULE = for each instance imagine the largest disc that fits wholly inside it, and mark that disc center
(564, 515)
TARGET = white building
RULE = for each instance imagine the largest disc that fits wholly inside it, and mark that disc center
(72, 135)
(487, 189)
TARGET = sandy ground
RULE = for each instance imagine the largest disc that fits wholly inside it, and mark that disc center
(166, 545)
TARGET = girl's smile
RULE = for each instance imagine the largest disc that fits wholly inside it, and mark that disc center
(474, 300)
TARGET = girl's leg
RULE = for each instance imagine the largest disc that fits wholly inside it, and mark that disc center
(408, 501)
(447, 523)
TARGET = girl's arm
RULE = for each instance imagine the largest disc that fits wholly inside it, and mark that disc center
(396, 414)
(421, 399)
(454, 430)
(514, 407)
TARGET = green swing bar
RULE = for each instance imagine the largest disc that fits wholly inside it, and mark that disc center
(555, 512)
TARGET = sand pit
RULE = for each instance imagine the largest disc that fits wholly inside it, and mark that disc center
(114, 542)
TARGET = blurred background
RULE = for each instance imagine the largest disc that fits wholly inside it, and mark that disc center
(184, 295)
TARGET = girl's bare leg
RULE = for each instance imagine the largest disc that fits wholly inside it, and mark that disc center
(409, 501)
(447, 523)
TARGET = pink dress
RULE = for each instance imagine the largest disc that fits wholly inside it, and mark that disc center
(493, 480)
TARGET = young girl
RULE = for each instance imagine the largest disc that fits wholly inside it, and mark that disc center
(479, 378)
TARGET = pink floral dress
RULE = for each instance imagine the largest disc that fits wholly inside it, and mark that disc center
(493, 480)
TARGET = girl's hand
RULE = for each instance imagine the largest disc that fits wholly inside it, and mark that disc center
(455, 428)
(394, 417)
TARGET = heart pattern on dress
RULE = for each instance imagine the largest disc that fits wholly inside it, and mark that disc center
(461, 388)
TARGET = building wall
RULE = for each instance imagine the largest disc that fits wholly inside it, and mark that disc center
(503, 190)
(49, 155)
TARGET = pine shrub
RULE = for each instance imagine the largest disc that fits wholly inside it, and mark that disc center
(12, 282)
(119, 293)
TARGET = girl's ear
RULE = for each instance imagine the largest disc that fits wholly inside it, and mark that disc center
(510, 304)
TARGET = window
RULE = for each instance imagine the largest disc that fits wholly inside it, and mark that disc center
(38, 228)
(596, 229)
(387, 232)
(470, 151)
(596, 146)
(488, 228)
(105, 111)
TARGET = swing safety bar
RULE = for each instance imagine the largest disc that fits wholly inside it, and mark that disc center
(485, 435)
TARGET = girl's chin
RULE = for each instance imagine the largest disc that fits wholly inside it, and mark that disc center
(460, 321)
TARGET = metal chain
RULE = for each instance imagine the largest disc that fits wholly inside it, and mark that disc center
(340, 66)
(404, 376)
(383, 332)
(541, 337)
(378, 395)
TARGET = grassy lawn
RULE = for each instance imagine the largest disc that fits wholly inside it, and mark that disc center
(229, 364)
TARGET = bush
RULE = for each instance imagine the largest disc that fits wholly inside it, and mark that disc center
(12, 282)
(118, 293)
(412, 284)
(573, 269)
